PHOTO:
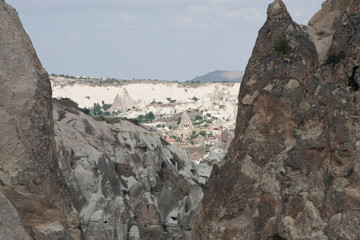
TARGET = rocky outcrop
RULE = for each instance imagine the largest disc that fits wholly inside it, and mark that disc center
(123, 103)
(206, 165)
(293, 170)
(30, 181)
(10, 221)
(185, 123)
(322, 26)
(125, 181)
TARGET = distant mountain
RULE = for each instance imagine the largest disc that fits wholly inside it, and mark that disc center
(220, 76)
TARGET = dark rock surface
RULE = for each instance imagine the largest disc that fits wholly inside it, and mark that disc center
(292, 171)
(29, 175)
(10, 222)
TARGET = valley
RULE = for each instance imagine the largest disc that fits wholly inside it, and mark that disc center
(196, 117)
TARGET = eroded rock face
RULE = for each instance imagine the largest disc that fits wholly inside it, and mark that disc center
(10, 222)
(29, 175)
(125, 181)
(293, 169)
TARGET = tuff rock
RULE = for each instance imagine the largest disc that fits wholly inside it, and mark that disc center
(123, 103)
(293, 169)
(65, 175)
(125, 181)
(31, 186)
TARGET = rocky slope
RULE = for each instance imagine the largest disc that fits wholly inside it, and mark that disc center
(31, 185)
(125, 181)
(293, 169)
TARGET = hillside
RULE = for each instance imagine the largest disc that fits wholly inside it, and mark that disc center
(160, 97)
(210, 108)
(220, 76)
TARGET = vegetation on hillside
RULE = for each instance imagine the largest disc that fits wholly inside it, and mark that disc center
(171, 100)
(147, 118)
(101, 81)
(100, 111)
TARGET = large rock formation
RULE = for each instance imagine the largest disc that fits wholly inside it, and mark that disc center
(30, 180)
(80, 178)
(125, 181)
(123, 103)
(293, 169)
(185, 123)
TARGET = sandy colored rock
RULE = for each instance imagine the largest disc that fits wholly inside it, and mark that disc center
(123, 103)
(153, 96)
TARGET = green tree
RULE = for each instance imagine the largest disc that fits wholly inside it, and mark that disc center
(202, 133)
(195, 99)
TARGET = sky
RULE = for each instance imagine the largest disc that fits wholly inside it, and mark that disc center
(148, 39)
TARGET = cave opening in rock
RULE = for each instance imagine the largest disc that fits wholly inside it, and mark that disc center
(352, 82)
(276, 237)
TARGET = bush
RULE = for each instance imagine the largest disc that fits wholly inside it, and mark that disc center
(195, 99)
(282, 46)
(170, 100)
(148, 118)
(202, 133)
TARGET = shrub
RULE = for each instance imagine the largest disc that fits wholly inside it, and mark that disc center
(170, 100)
(198, 117)
(195, 99)
(282, 46)
(149, 117)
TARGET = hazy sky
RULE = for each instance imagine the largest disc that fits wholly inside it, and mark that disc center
(156, 39)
